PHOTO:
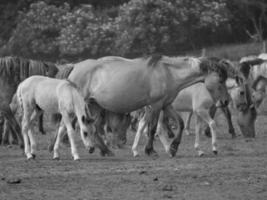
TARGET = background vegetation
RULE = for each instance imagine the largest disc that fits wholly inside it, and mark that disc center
(71, 30)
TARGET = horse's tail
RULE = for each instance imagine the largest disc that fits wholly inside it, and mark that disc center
(19, 99)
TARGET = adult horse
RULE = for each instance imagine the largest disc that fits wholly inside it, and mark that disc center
(13, 70)
(251, 70)
(123, 85)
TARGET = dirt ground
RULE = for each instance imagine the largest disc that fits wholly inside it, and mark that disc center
(239, 171)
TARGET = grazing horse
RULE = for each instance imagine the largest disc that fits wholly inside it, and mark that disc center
(123, 85)
(154, 81)
(39, 94)
(251, 70)
(13, 70)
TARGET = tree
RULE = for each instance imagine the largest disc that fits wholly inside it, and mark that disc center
(167, 26)
(253, 16)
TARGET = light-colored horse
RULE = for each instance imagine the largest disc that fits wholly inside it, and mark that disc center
(251, 69)
(123, 85)
(39, 94)
(199, 100)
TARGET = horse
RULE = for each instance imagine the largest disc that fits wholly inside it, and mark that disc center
(13, 70)
(154, 81)
(107, 121)
(194, 99)
(251, 70)
(38, 94)
(123, 85)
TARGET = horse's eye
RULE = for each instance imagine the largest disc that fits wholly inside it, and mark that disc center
(85, 134)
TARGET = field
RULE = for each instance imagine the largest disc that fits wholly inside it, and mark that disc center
(239, 171)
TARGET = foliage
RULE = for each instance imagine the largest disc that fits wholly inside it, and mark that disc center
(79, 29)
(167, 26)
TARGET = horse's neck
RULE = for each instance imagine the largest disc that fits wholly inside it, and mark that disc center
(186, 76)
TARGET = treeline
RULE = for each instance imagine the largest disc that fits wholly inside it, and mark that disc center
(79, 29)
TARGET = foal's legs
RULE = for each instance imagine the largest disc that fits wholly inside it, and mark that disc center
(198, 128)
(25, 129)
(61, 131)
(204, 114)
(70, 131)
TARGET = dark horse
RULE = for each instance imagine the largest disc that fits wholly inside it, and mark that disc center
(13, 70)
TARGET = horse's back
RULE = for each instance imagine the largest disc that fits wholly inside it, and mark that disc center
(43, 91)
(193, 98)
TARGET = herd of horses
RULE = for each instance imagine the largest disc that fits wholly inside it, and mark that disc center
(110, 94)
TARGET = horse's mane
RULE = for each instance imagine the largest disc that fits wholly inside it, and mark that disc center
(72, 84)
(214, 64)
(153, 59)
(156, 58)
(245, 66)
(16, 69)
(64, 71)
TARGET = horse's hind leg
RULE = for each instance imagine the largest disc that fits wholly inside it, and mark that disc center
(198, 128)
(25, 129)
(204, 114)
(33, 143)
(228, 117)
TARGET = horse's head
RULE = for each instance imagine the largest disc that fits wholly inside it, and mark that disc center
(215, 79)
(217, 89)
(88, 132)
(119, 125)
(258, 91)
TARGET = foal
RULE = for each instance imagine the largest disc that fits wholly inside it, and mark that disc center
(39, 94)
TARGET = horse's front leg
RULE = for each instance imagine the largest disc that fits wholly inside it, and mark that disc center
(178, 137)
(142, 125)
(228, 117)
(204, 114)
(151, 130)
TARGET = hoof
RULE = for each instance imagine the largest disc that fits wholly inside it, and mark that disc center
(110, 154)
(76, 159)
(107, 153)
(173, 149)
(201, 154)
(151, 152)
(135, 154)
(91, 149)
(50, 148)
(215, 152)
(56, 158)
(33, 156)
